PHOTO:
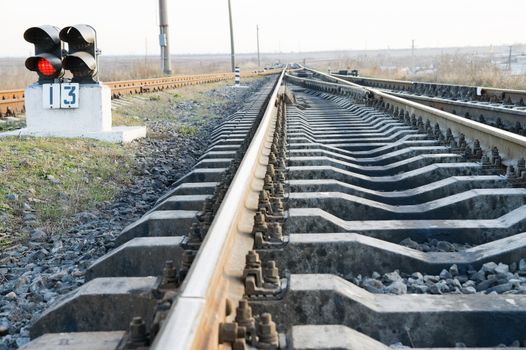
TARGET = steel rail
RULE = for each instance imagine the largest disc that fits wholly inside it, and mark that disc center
(485, 93)
(511, 146)
(12, 101)
(458, 99)
(214, 282)
(509, 117)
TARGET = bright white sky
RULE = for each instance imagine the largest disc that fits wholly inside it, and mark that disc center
(201, 26)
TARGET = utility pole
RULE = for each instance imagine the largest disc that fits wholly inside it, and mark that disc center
(257, 33)
(413, 69)
(166, 62)
(145, 53)
(509, 59)
(232, 51)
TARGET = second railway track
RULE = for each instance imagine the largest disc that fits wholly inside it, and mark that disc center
(502, 108)
(324, 216)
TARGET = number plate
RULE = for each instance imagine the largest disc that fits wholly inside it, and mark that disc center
(51, 96)
(69, 95)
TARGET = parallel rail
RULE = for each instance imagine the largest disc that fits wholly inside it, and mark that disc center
(510, 145)
(510, 97)
(12, 101)
(502, 108)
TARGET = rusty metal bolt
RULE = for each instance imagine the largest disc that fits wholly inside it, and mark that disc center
(449, 134)
(280, 191)
(271, 171)
(266, 331)
(277, 206)
(437, 128)
(462, 141)
(239, 344)
(229, 332)
(137, 332)
(273, 148)
(252, 260)
(494, 151)
(477, 150)
(188, 258)
(276, 231)
(264, 201)
(260, 222)
(169, 273)
(280, 175)
(271, 274)
(441, 138)
(244, 316)
(282, 164)
(269, 183)
(194, 236)
(272, 158)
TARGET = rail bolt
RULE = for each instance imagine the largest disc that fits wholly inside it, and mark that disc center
(280, 191)
(276, 231)
(137, 332)
(244, 316)
(267, 333)
(252, 260)
(271, 274)
(272, 158)
(260, 222)
(277, 206)
(229, 332)
(169, 274)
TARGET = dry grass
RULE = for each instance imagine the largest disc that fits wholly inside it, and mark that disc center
(465, 69)
(56, 178)
(14, 75)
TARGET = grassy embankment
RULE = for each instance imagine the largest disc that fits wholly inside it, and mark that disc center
(52, 179)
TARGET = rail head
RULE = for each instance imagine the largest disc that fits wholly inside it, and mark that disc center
(511, 146)
(215, 275)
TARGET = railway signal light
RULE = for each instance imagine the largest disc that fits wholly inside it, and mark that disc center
(47, 61)
(81, 59)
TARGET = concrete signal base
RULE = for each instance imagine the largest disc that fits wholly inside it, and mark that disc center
(92, 119)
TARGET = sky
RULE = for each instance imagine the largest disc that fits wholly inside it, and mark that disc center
(201, 26)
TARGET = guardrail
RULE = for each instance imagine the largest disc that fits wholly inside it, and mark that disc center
(12, 101)
(213, 284)
(511, 146)
(462, 92)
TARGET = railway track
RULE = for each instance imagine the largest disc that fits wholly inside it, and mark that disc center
(325, 215)
(502, 108)
(12, 101)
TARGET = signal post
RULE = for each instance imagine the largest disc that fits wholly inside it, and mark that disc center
(79, 106)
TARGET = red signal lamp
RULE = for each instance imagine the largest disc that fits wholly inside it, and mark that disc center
(47, 61)
(45, 68)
